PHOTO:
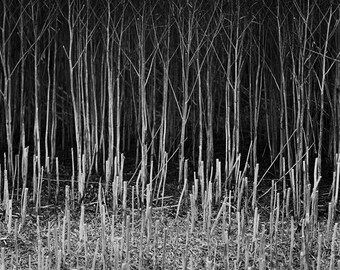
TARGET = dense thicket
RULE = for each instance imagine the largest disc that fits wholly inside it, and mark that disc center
(197, 79)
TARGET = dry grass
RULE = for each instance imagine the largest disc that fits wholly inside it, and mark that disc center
(57, 237)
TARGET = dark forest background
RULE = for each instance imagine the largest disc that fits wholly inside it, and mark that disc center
(245, 82)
